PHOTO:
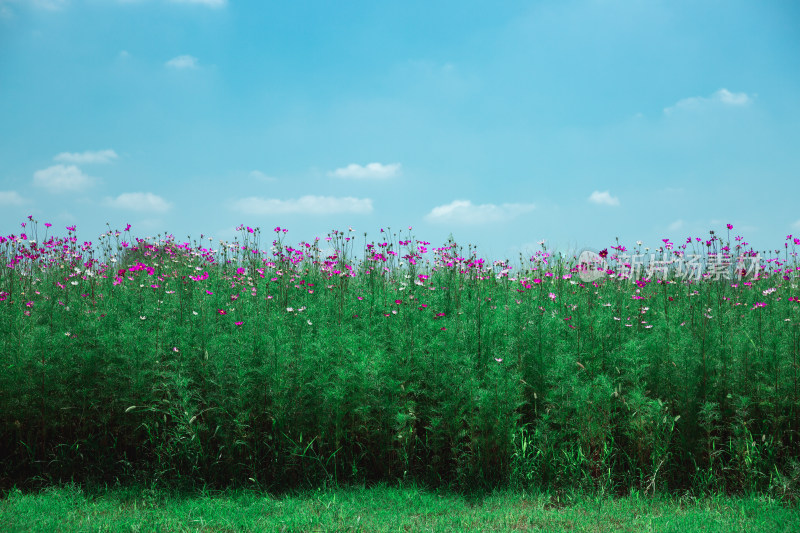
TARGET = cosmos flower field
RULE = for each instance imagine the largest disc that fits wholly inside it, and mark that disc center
(342, 359)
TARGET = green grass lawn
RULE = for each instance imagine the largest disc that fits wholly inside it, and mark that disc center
(385, 509)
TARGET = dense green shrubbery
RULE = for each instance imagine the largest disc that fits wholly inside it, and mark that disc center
(294, 367)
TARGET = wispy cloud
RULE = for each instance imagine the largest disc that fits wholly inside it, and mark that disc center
(603, 198)
(465, 212)
(61, 178)
(260, 176)
(721, 97)
(209, 3)
(182, 62)
(370, 171)
(10, 198)
(306, 205)
(139, 201)
(675, 226)
(100, 156)
(796, 225)
(55, 5)
(52, 5)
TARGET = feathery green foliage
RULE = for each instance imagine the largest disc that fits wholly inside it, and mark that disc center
(157, 361)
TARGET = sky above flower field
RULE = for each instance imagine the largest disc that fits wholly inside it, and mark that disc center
(501, 123)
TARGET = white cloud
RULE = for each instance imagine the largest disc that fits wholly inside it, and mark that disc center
(10, 198)
(796, 225)
(465, 212)
(182, 62)
(603, 198)
(100, 156)
(61, 178)
(55, 5)
(721, 97)
(139, 201)
(370, 171)
(52, 5)
(209, 3)
(306, 205)
(729, 98)
(260, 176)
(675, 226)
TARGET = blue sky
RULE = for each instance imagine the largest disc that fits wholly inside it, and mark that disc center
(503, 123)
